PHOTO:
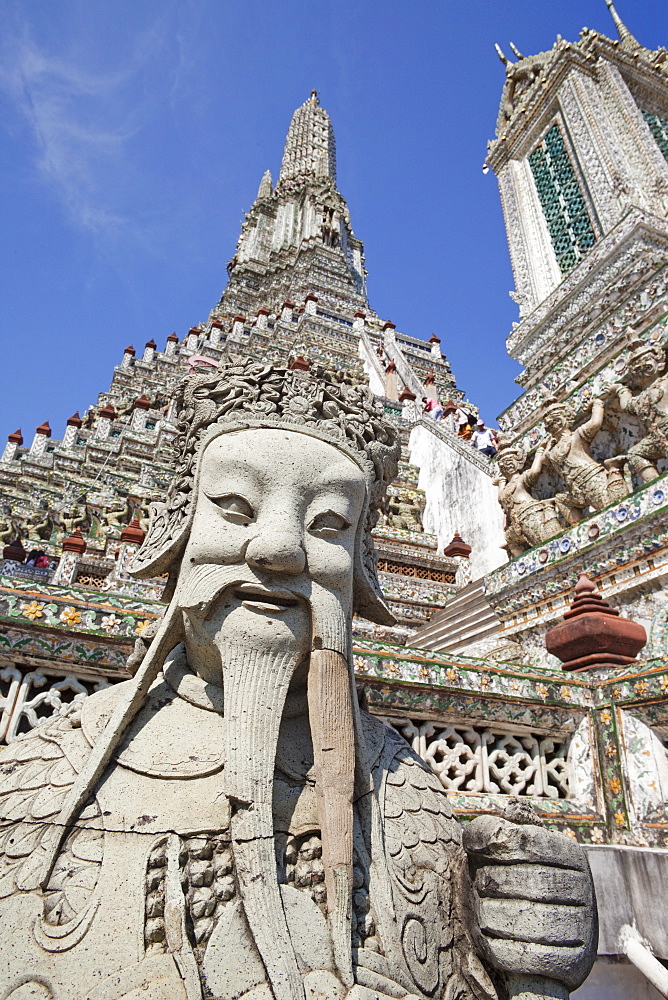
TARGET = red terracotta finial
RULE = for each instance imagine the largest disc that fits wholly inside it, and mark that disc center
(300, 364)
(430, 379)
(142, 403)
(434, 339)
(129, 350)
(406, 396)
(44, 429)
(150, 343)
(391, 368)
(132, 533)
(75, 420)
(16, 437)
(173, 338)
(75, 543)
(593, 634)
(457, 547)
(14, 552)
(108, 411)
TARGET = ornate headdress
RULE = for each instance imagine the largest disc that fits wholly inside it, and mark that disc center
(243, 393)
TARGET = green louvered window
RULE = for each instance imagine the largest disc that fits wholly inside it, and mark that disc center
(659, 129)
(562, 201)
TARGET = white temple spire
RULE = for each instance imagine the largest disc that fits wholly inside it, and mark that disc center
(310, 147)
(266, 187)
(628, 40)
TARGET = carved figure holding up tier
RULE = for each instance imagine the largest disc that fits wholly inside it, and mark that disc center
(644, 393)
(589, 483)
(528, 521)
(229, 823)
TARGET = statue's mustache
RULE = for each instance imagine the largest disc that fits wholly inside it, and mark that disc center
(205, 582)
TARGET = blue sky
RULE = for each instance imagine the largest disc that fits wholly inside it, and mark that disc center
(135, 133)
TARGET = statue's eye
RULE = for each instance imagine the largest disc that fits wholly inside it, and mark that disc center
(328, 524)
(235, 508)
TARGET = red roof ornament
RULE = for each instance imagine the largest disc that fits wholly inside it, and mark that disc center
(129, 350)
(151, 343)
(108, 412)
(457, 547)
(406, 396)
(237, 319)
(44, 429)
(391, 368)
(14, 552)
(388, 325)
(75, 543)
(142, 403)
(262, 311)
(132, 533)
(430, 379)
(16, 437)
(434, 339)
(75, 420)
(214, 322)
(311, 297)
(300, 364)
(173, 338)
(288, 304)
(360, 314)
(593, 634)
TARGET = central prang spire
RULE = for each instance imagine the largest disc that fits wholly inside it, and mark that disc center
(310, 147)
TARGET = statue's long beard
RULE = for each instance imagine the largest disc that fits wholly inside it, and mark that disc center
(255, 684)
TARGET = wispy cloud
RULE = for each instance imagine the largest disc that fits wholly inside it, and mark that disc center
(81, 121)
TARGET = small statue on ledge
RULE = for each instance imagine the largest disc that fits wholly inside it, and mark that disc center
(229, 823)
(529, 521)
(643, 392)
(589, 483)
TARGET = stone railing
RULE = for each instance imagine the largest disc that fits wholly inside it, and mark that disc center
(479, 758)
(440, 429)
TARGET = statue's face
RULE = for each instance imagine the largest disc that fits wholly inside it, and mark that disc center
(273, 534)
(644, 367)
(509, 464)
(556, 421)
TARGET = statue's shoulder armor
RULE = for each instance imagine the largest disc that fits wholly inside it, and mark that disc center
(36, 774)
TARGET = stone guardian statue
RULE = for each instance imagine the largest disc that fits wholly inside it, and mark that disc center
(644, 393)
(228, 823)
(590, 483)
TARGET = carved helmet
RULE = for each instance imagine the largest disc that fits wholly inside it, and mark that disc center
(243, 393)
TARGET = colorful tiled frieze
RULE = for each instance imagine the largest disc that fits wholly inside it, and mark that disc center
(71, 610)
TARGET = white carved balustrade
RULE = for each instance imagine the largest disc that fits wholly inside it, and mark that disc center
(485, 759)
(26, 700)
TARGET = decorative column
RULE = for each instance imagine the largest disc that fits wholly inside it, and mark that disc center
(149, 351)
(409, 409)
(42, 434)
(358, 322)
(170, 349)
(262, 316)
(74, 547)
(73, 426)
(391, 390)
(132, 537)
(215, 332)
(287, 311)
(311, 304)
(192, 338)
(128, 356)
(139, 408)
(104, 419)
(14, 442)
(238, 326)
(435, 346)
(430, 389)
(593, 634)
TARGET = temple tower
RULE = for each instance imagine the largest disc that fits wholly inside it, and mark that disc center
(582, 143)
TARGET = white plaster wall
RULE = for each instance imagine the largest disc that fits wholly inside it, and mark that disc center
(460, 497)
(376, 383)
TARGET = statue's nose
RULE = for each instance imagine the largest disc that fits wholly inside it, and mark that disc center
(278, 550)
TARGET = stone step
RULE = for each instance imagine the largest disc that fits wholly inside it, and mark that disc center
(466, 618)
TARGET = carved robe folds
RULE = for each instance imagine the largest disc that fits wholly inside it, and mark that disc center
(141, 905)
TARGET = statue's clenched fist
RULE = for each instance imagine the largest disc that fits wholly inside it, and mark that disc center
(535, 901)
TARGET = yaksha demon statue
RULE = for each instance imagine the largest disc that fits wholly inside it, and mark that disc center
(229, 823)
